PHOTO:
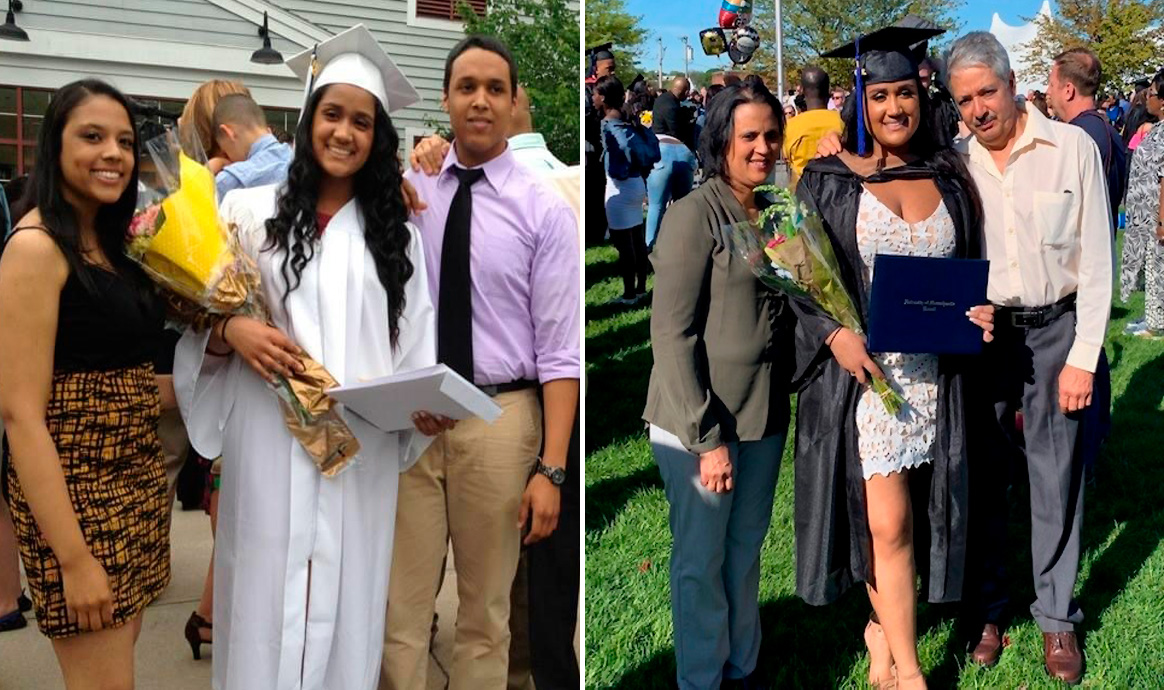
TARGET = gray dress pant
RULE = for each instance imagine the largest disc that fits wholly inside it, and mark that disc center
(1021, 371)
(715, 557)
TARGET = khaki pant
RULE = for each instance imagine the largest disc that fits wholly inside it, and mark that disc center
(467, 487)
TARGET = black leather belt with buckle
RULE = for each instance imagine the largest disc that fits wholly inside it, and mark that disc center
(1034, 317)
(495, 389)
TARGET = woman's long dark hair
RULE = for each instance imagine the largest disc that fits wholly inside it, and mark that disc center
(612, 92)
(932, 143)
(1137, 116)
(294, 228)
(46, 187)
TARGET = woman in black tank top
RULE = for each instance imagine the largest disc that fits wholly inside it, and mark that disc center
(78, 392)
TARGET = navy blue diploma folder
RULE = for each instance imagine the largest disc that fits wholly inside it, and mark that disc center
(919, 304)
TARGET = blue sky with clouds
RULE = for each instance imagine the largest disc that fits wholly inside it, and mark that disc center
(671, 19)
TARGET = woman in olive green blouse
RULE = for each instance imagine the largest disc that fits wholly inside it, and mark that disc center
(718, 398)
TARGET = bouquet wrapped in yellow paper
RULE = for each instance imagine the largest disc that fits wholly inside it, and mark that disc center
(183, 245)
(190, 248)
(179, 239)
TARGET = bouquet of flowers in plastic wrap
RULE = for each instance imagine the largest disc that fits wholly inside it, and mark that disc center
(789, 251)
(186, 249)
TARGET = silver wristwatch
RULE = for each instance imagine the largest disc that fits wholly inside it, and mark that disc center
(556, 475)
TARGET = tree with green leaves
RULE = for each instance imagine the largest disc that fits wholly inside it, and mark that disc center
(607, 21)
(812, 27)
(1123, 34)
(544, 37)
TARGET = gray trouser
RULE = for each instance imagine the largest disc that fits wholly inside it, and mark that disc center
(715, 557)
(1022, 370)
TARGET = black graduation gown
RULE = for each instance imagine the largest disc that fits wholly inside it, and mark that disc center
(832, 532)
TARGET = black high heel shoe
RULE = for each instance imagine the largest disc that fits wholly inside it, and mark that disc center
(194, 627)
(13, 620)
(24, 603)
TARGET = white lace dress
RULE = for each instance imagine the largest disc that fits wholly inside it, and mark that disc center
(889, 443)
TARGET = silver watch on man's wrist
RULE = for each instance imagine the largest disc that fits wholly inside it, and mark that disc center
(556, 475)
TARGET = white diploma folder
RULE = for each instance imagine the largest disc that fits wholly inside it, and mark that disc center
(389, 401)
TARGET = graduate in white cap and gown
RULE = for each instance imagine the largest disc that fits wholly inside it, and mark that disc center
(302, 559)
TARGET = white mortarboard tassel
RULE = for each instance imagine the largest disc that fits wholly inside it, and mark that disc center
(354, 57)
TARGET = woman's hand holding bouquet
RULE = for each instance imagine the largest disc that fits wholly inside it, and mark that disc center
(789, 250)
(209, 282)
(265, 348)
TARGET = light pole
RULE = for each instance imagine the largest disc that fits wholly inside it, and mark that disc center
(780, 47)
(661, 51)
(686, 58)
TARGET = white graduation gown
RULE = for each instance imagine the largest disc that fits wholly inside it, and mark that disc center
(302, 560)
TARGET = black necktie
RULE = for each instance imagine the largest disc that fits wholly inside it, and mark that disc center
(455, 310)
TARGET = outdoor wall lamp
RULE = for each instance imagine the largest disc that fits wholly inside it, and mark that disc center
(265, 55)
(10, 30)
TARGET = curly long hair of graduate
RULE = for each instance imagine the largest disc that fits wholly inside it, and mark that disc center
(295, 231)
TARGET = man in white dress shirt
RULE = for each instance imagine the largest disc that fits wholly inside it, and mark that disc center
(1048, 238)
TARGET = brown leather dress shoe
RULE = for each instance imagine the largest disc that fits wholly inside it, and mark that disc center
(1063, 657)
(989, 647)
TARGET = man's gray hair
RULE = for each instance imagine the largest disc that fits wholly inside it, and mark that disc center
(979, 49)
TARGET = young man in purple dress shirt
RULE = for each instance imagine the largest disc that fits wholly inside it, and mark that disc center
(481, 484)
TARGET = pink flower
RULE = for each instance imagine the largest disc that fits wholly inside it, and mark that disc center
(777, 240)
(145, 222)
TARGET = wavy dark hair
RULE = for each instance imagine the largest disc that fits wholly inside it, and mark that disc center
(933, 141)
(716, 137)
(295, 231)
(1137, 116)
(46, 188)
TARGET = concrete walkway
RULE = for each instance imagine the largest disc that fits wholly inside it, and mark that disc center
(163, 660)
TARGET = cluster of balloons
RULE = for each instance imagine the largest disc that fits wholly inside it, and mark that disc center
(733, 35)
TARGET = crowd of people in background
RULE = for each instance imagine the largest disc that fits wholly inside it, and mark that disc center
(1119, 122)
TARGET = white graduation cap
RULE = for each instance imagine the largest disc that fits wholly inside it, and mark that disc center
(353, 57)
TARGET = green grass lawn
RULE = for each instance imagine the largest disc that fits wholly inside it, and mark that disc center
(628, 616)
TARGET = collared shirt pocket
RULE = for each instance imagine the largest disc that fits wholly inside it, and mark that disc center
(1056, 218)
(503, 271)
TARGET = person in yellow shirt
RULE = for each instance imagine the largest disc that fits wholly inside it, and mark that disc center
(804, 132)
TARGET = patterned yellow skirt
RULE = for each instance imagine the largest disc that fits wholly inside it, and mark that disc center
(105, 427)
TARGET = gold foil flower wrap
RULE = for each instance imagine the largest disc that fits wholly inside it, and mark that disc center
(312, 419)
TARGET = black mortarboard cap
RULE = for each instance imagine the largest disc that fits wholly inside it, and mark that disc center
(602, 52)
(886, 55)
(892, 53)
(599, 52)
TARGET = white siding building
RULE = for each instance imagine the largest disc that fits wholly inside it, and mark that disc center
(160, 50)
